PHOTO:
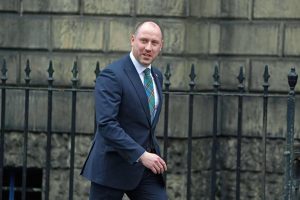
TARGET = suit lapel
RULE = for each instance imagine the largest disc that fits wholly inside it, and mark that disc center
(137, 84)
(159, 91)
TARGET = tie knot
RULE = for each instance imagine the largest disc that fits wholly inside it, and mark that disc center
(147, 72)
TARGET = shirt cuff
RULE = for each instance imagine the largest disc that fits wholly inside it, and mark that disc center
(140, 156)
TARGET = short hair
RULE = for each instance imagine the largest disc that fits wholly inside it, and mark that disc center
(138, 26)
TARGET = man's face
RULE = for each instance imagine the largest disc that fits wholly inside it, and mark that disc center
(147, 43)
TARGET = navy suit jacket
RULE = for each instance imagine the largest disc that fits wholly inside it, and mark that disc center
(124, 128)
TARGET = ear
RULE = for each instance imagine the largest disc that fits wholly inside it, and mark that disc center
(162, 45)
(132, 38)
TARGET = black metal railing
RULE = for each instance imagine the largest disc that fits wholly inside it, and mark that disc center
(265, 119)
(49, 131)
(216, 93)
(214, 148)
(3, 100)
(290, 182)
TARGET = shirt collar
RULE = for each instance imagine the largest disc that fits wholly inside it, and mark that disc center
(138, 66)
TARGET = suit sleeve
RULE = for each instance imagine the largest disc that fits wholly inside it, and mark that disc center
(108, 95)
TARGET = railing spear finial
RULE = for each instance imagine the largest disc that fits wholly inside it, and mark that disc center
(292, 79)
(167, 75)
(4, 71)
(27, 72)
(75, 73)
(216, 77)
(192, 77)
(241, 79)
(97, 70)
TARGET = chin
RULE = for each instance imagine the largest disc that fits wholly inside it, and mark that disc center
(145, 62)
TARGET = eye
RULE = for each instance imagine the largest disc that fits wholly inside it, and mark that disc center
(155, 43)
(143, 40)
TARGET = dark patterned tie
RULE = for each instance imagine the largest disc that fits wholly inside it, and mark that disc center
(148, 84)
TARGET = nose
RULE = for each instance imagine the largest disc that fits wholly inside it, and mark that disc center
(148, 46)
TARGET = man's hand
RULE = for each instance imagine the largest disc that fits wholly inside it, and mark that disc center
(153, 162)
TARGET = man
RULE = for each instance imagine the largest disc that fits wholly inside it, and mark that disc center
(125, 156)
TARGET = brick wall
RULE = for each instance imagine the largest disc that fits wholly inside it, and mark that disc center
(232, 33)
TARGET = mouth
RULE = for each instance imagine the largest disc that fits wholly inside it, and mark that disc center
(147, 55)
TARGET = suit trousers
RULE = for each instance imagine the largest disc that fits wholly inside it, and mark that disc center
(151, 187)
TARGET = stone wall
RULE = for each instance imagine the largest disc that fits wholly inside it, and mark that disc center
(231, 34)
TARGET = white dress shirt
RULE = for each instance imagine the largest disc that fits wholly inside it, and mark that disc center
(140, 69)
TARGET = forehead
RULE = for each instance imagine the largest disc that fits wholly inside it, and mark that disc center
(150, 29)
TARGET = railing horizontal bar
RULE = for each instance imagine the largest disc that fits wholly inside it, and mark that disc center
(227, 136)
(220, 93)
(177, 138)
(18, 189)
(46, 89)
(172, 137)
(242, 171)
(227, 94)
(229, 170)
